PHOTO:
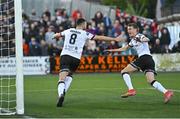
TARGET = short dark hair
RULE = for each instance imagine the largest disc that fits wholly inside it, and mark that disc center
(134, 25)
(80, 21)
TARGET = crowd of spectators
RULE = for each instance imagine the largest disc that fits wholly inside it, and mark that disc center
(7, 32)
(38, 32)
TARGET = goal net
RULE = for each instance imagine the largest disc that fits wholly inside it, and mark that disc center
(11, 75)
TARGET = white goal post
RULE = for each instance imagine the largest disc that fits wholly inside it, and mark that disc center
(11, 50)
(19, 57)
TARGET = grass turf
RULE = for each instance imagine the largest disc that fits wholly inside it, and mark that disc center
(98, 96)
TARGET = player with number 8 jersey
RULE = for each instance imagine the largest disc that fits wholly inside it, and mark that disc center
(74, 41)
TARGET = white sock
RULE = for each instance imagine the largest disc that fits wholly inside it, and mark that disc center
(159, 87)
(127, 80)
(67, 81)
(61, 88)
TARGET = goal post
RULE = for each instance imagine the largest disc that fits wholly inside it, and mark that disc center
(19, 57)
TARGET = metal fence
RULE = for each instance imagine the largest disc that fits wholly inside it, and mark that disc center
(88, 9)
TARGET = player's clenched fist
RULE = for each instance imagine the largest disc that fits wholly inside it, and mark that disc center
(56, 35)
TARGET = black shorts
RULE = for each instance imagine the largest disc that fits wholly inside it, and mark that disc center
(144, 63)
(69, 64)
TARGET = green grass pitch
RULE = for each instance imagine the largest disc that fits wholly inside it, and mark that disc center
(98, 96)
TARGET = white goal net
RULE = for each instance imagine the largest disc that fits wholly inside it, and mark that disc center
(11, 82)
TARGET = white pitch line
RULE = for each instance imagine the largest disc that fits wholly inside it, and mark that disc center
(52, 90)
(175, 90)
(28, 117)
(36, 91)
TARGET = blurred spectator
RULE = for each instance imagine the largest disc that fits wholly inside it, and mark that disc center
(157, 48)
(34, 48)
(49, 35)
(118, 13)
(147, 31)
(165, 39)
(92, 27)
(102, 46)
(25, 48)
(98, 18)
(44, 20)
(154, 27)
(176, 47)
(101, 29)
(27, 35)
(91, 47)
(153, 40)
(41, 35)
(33, 29)
(117, 29)
(113, 45)
(33, 16)
(24, 16)
(123, 43)
(44, 48)
(124, 39)
(107, 24)
(61, 16)
(76, 14)
(47, 13)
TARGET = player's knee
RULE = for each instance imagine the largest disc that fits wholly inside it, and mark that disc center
(124, 72)
(150, 78)
(62, 76)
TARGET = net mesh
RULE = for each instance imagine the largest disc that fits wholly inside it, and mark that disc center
(7, 58)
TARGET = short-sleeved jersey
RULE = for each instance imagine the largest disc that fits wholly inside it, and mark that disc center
(74, 42)
(141, 47)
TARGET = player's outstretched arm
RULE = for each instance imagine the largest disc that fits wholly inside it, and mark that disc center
(118, 49)
(106, 38)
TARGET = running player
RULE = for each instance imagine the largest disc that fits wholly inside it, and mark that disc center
(74, 41)
(144, 62)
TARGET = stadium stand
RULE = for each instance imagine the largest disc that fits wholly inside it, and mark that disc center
(38, 31)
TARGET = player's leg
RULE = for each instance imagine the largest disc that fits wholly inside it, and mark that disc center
(61, 87)
(149, 69)
(150, 79)
(68, 81)
(73, 66)
(127, 79)
(68, 66)
(64, 72)
(61, 82)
